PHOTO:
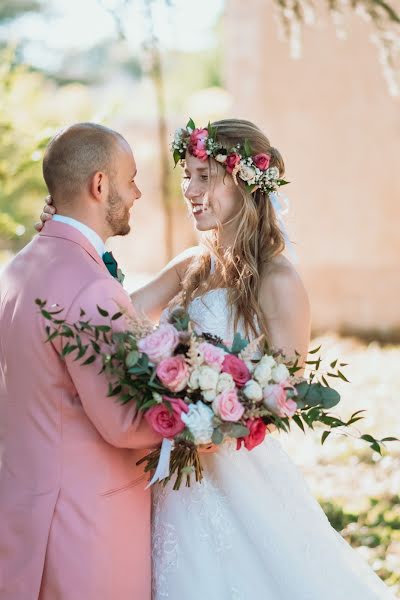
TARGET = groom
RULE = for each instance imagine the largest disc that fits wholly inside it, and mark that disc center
(74, 512)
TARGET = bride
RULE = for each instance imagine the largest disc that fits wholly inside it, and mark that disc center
(252, 528)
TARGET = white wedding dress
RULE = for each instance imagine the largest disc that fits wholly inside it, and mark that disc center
(251, 530)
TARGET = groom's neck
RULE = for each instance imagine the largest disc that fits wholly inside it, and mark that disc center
(88, 219)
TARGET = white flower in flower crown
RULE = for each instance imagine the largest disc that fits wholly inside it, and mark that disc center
(179, 134)
(246, 173)
(280, 373)
(225, 382)
(208, 378)
(252, 390)
(221, 158)
(262, 374)
(199, 421)
(273, 173)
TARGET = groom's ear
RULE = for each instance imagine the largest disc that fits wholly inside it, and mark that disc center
(99, 186)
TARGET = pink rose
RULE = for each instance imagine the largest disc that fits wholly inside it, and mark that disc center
(257, 432)
(262, 161)
(160, 344)
(173, 373)
(237, 368)
(197, 143)
(227, 406)
(166, 422)
(213, 356)
(276, 400)
(231, 162)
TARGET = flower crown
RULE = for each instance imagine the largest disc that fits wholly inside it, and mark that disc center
(239, 161)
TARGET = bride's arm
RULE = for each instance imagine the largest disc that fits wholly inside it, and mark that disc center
(152, 298)
(285, 304)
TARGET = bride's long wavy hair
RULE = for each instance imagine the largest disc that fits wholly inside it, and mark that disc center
(257, 238)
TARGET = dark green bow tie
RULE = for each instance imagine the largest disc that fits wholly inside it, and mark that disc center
(112, 266)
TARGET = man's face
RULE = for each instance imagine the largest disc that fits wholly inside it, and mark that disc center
(123, 190)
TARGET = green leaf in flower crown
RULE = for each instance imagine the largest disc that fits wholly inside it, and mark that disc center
(282, 182)
(190, 124)
(247, 149)
(177, 156)
(239, 344)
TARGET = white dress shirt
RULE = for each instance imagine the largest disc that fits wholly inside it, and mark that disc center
(89, 234)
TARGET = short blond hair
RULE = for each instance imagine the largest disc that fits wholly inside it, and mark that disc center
(75, 154)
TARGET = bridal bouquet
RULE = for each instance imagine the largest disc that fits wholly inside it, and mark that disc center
(195, 389)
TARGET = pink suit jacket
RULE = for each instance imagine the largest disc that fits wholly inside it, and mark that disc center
(74, 512)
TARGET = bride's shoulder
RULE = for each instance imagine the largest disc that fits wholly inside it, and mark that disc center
(281, 284)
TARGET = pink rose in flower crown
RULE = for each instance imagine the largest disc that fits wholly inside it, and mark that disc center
(276, 400)
(160, 344)
(197, 143)
(173, 372)
(227, 406)
(257, 432)
(262, 161)
(167, 422)
(213, 356)
(237, 368)
(231, 161)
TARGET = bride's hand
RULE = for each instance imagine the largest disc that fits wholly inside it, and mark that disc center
(207, 448)
(47, 213)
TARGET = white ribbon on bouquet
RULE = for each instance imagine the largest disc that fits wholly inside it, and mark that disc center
(162, 470)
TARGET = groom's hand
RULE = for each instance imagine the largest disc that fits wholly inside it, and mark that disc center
(47, 213)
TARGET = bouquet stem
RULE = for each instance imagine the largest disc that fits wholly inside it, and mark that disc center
(185, 460)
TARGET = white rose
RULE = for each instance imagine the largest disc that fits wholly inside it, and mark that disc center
(208, 378)
(221, 158)
(280, 373)
(262, 373)
(209, 395)
(268, 360)
(225, 382)
(246, 173)
(194, 379)
(199, 421)
(252, 390)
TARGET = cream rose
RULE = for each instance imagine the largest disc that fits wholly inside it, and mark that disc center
(246, 173)
(208, 378)
(262, 374)
(280, 373)
(225, 382)
(253, 391)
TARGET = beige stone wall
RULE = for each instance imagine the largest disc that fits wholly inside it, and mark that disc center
(339, 131)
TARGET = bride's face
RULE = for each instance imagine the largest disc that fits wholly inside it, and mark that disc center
(214, 202)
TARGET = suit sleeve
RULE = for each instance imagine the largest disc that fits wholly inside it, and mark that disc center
(121, 425)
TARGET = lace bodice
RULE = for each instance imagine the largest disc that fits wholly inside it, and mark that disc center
(210, 313)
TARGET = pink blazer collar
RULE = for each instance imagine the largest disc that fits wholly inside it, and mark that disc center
(67, 232)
